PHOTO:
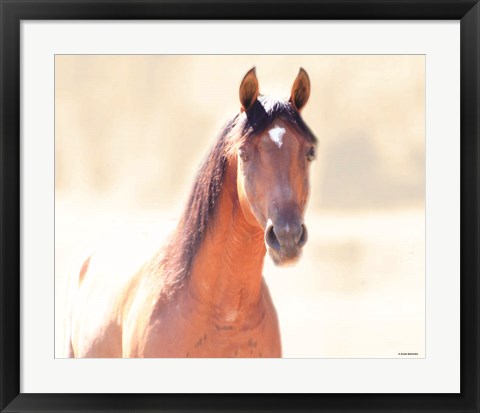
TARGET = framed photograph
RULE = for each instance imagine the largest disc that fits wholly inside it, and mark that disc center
(240, 207)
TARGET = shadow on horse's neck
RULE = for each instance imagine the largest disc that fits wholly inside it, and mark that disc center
(227, 270)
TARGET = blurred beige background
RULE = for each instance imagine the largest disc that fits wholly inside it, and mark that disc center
(131, 131)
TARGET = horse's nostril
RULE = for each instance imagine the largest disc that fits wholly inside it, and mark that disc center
(279, 238)
(271, 239)
(304, 237)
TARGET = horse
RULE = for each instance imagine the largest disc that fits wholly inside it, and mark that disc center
(203, 293)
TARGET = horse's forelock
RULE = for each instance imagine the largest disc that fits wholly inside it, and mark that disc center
(266, 109)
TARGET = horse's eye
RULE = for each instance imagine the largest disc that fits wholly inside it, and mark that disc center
(311, 154)
(243, 155)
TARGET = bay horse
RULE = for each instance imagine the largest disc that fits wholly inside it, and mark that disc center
(203, 294)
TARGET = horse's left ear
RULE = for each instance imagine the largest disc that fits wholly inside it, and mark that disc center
(300, 90)
(249, 90)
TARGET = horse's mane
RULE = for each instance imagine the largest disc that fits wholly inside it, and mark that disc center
(176, 259)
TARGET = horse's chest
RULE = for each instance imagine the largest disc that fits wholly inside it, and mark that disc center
(235, 343)
(202, 335)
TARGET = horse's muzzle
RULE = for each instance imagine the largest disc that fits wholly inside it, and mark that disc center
(285, 242)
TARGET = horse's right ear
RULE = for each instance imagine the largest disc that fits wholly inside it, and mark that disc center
(300, 90)
(249, 90)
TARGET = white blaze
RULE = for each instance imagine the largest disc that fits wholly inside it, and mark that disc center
(276, 135)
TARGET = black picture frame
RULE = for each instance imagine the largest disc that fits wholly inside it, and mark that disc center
(14, 11)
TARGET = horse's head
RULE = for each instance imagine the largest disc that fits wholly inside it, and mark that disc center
(273, 166)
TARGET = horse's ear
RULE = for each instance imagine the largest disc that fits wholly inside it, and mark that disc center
(249, 89)
(300, 90)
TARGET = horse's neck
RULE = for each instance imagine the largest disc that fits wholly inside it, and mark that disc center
(227, 271)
